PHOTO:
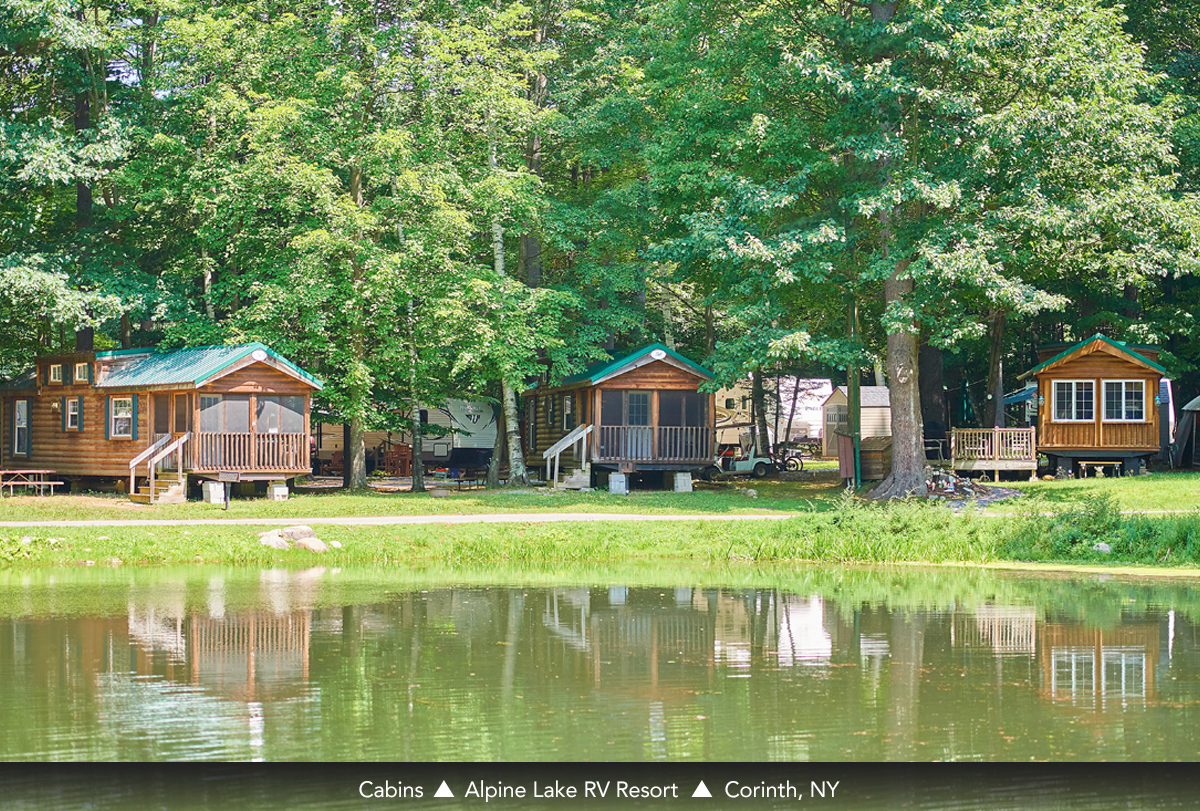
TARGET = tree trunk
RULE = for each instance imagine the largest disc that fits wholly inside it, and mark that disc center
(418, 443)
(762, 440)
(493, 471)
(787, 431)
(518, 475)
(354, 471)
(418, 466)
(126, 331)
(996, 326)
(149, 48)
(83, 122)
(354, 475)
(908, 442)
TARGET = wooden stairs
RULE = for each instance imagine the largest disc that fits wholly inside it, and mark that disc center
(579, 478)
(170, 487)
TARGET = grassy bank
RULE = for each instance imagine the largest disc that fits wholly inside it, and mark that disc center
(1158, 491)
(730, 498)
(848, 531)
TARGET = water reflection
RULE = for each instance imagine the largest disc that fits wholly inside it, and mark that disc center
(285, 666)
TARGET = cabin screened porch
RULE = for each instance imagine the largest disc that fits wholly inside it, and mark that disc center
(653, 427)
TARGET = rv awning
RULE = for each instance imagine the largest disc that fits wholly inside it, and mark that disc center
(1022, 396)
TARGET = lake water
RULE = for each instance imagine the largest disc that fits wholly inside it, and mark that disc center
(606, 664)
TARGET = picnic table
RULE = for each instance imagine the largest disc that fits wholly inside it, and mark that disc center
(41, 479)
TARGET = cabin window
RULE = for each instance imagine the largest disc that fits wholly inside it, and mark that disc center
(224, 414)
(551, 409)
(73, 414)
(1074, 401)
(55, 372)
(280, 415)
(1124, 401)
(624, 407)
(568, 412)
(531, 423)
(20, 428)
(121, 414)
(81, 373)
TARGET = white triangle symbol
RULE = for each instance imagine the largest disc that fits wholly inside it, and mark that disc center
(701, 791)
(443, 791)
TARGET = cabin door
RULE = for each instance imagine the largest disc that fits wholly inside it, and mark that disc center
(160, 408)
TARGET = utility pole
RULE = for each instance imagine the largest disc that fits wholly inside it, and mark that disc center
(853, 394)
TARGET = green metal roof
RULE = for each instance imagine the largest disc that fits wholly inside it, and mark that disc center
(1118, 345)
(186, 366)
(21, 382)
(601, 370)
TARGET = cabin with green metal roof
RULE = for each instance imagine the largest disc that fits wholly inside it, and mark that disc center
(230, 412)
(639, 412)
(1098, 402)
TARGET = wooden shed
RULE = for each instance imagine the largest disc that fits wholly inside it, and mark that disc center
(643, 411)
(161, 415)
(1097, 402)
(876, 419)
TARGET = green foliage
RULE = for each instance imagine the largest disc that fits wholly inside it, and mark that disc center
(1071, 534)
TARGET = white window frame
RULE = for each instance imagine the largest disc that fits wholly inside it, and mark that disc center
(73, 411)
(56, 375)
(1074, 384)
(81, 372)
(20, 407)
(1104, 401)
(112, 418)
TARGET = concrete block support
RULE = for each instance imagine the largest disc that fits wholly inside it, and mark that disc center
(277, 491)
(213, 492)
(618, 483)
(683, 482)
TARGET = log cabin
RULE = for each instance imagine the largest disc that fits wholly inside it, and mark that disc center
(1098, 403)
(640, 412)
(207, 412)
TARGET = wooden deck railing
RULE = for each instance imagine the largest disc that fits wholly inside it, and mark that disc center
(648, 443)
(986, 448)
(249, 452)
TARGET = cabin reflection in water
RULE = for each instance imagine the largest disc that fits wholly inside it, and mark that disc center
(1100, 668)
(1006, 629)
(247, 655)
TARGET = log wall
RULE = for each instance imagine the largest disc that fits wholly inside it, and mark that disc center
(73, 453)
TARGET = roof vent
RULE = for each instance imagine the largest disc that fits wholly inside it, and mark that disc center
(658, 354)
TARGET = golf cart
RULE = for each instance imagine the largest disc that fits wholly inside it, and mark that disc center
(740, 460)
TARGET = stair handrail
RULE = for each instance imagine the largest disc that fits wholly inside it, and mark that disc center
(578, 434)
(174, 447)
(570, 439)
(141, 457)
(179, 442)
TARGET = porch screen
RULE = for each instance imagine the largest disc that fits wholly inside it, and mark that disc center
(280, 415)
(679, 408)
(224, 414)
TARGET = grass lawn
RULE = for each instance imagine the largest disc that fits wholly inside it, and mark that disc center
(715, 498)
(1158, 491)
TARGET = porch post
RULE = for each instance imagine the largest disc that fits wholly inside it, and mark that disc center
(253, 463)
(654, 424)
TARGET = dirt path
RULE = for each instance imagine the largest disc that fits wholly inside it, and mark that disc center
(391, 520)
